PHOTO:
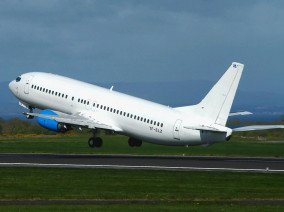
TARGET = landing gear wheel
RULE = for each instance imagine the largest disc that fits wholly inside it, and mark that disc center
(134, 142)
(138, 143)
(98, 142)
(95, 142)
(29, 117)
(131, 142)
(91, 142)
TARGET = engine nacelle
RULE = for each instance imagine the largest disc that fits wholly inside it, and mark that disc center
(51, 124)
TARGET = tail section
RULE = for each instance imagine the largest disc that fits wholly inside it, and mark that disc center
(216, 105)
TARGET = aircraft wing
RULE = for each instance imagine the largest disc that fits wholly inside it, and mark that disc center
(257, 127)
(79, 119)
(240, 113)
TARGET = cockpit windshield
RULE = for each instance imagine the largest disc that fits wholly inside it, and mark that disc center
(18, 79)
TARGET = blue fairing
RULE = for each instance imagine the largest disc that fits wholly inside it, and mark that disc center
(48, 123)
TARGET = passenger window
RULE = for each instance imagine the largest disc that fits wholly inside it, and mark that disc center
(66, 96)
(94, 105)
(43, 90)
(104, 107)
(111, 110)
(82, 100)
(131, 116)
(107, 108)
(114, 110)
(117, 111)
(144, 120)
(49, 91)
(40, 88)
(151, 122)
(32, 86)
(62, 95)
(72, 98)
(148, 121)
(154, 123)
(55, 93)
(162, 125)
(88, 103)
(124, 113)
(158, 124)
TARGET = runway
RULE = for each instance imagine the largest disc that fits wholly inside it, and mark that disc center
(177, 163)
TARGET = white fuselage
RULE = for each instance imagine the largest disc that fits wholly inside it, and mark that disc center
(134, 117)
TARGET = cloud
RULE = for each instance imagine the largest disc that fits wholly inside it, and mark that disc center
(157, 40)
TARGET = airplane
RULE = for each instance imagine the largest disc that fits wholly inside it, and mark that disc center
(67, 103)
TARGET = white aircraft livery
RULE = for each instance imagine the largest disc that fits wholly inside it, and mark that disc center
(67, 102)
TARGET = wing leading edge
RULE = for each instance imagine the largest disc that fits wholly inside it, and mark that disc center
(77, 120)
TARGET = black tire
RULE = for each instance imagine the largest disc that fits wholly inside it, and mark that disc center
(131, 142)
(138, 143)
(98, 142)
(91, 142)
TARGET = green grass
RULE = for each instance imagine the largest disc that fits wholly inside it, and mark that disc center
(52, 183)
(119, 145)
(147, 207)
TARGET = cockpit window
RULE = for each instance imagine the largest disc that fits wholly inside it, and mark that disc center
(18, 79)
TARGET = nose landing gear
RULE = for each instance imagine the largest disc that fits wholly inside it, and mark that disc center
(29, 116)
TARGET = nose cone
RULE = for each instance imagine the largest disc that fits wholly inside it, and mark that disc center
(12, 87)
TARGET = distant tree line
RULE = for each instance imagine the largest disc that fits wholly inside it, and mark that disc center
(17, 126)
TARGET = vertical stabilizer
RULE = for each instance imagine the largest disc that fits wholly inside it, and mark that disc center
(216, 105)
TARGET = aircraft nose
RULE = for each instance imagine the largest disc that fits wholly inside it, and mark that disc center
(12, 86)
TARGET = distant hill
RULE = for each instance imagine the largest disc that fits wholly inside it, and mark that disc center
(265, 105)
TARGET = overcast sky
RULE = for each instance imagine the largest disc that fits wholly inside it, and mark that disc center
(142, 41)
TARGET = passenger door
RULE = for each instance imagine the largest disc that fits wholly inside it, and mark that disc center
(177, 129)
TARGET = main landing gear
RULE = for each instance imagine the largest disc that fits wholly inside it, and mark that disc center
(134, 142)
(95, 141)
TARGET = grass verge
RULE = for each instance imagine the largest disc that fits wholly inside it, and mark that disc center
(52, 183)
(118, 145)
(147, 207)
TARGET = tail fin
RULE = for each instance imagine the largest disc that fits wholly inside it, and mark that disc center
(216, 105)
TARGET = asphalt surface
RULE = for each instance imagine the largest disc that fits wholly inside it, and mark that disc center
(178, 163)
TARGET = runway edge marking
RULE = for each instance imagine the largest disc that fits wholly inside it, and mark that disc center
(138, 167)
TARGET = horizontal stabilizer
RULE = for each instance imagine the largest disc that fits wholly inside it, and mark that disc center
(257, 127)
(240, 113)
(205, 128)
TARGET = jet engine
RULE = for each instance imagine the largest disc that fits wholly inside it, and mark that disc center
(51, 124)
